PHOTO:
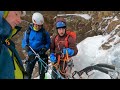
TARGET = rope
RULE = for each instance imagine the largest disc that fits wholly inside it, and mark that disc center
(57, 65)
(40, 60)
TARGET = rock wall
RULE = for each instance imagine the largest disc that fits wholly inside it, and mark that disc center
(100, 23)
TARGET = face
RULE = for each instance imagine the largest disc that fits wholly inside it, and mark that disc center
(14, 18)
(37, 27)
(61, 31)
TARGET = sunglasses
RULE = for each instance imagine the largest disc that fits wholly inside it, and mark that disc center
(37, 25)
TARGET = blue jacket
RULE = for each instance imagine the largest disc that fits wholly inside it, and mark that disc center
(6, 61)
(36, 39)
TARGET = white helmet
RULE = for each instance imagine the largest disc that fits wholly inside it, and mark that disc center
(37, 18)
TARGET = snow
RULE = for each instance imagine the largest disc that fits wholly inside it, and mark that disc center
(108, 17)
(90, 53)
(85, 16)
(115, 18)
(47, 75)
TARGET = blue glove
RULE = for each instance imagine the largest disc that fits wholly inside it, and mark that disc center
(70, 51)
(53, 58)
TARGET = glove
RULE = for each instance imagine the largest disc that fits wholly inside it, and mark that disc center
(27, 48)
(70, 51)
(42, 51)
(53, 58)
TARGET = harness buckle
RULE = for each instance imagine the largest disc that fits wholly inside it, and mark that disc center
(7, 41)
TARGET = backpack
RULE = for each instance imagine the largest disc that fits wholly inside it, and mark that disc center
(26, 36)
(69, 33)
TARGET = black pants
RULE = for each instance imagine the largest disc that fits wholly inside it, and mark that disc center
(31, 63)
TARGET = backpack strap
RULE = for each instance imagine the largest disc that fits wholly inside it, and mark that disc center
(18, 61)
(66, 41)
(44, 37)
(28, 32)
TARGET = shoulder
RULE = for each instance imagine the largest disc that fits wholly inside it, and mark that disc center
(70, 38)
(53, 37)
(45, 31)
(1, 16)
(29, 28)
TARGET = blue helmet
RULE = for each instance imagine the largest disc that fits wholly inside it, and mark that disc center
(60, 24)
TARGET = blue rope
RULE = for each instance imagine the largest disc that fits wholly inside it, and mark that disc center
(40, 60)
(57, 73)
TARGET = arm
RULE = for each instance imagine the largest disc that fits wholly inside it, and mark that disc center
(25, 39)
(5, 28)
(52, 45)
(72, 49)
(47, 40)
(72, 45)
(52, 50)
(1, 31)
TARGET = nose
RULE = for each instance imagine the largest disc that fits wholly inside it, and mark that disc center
(61, 30)
(19, 20)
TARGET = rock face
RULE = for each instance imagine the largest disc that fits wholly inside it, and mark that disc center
(100, 23)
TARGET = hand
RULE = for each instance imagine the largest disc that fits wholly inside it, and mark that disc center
(53, 58)
(42, 51)
(70, 51)
(27, 48)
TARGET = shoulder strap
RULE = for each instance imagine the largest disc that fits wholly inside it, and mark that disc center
(66, 41)
(28, 32)
(44, 37)
(29, 28)
(18, 61)
(56, 38)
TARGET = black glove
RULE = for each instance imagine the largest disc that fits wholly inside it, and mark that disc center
(42, 51)
(31, 57)
(27, 48)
